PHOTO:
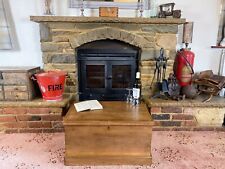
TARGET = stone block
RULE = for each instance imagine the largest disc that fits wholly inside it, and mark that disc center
(209, 116)
(66, 67)
(65, 32)
(45, 34)
(166, 41)
(14, 95)
(101, 33)
(147, 54)
(60, 39)
(15, 78)
(1, 95)
(160, 28)
(71, 82)
(54, 46)
(147, 70)
(127, 37)
(141, 42)
(74, 42)
(59, 58)
(70, 89)
(147, 34)
(147, 62)
(146, 82)
(150, 38)
(84, 26)
(15, 88)
(146, 76)
(172, 54)
(61, 25)
(127, 27)
(114, 33)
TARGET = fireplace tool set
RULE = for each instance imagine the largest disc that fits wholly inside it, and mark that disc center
(160, 72)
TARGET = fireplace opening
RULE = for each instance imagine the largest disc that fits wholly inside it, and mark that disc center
(106, 68)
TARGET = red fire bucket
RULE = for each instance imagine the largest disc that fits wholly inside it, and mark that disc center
(51, 84)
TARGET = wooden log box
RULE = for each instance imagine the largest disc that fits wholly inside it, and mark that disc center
(118, 134)
(16, 85)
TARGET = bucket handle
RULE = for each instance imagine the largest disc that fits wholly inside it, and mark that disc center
(33, 78)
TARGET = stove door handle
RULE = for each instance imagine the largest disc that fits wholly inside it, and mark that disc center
(109, 77)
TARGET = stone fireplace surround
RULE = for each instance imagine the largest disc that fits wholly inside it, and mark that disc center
(60, 36)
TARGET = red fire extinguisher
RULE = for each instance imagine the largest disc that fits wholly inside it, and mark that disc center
(183, 67)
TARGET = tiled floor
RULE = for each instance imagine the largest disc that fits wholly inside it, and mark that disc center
(170, 150)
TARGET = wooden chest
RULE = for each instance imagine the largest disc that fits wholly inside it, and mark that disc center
(108, 11)
(16, 83)
(118, 134)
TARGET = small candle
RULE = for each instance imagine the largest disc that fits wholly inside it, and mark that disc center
(138, 75)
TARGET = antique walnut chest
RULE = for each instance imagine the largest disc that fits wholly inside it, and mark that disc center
(118, 134)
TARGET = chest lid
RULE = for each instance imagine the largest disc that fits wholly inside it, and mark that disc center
(113, 113)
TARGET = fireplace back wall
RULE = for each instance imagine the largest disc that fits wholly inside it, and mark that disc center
(62, 36)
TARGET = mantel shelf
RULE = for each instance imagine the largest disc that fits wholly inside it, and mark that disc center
(76, 19)
(218, 47)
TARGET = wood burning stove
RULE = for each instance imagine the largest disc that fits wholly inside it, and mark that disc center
(106, 68)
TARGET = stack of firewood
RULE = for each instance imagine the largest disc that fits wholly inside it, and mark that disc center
(209, 83)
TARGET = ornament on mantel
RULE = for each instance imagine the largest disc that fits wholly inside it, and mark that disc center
(222, 43)
(47, 7)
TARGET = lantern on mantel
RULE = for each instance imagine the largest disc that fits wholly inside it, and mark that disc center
(188, 33)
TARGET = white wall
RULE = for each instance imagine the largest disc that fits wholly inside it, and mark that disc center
(204, 14)
(29, 53)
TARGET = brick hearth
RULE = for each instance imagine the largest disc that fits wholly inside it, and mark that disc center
(188, 114)
(34, 116)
